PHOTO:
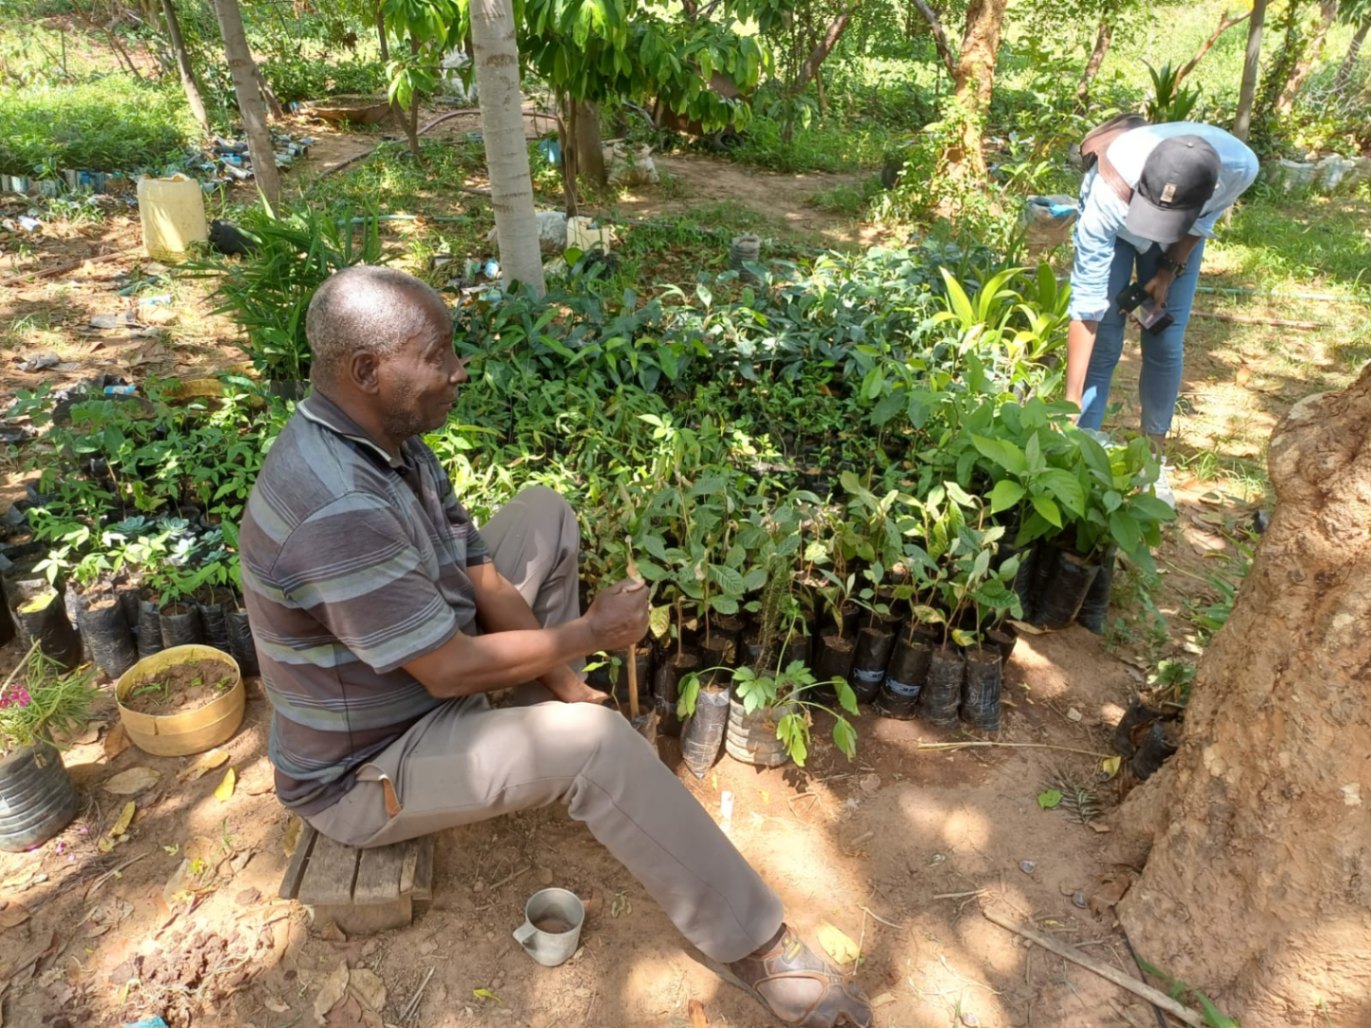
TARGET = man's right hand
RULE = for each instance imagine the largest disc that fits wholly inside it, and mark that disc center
(618, 615)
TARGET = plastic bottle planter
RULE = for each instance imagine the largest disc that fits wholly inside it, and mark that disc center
(107, 633)
(905, 678)
(703, 732)
(869, 662)
(1094, 610)
(189, 731)
(981, 686)
(666, 688)
(37, 799)
(943, 693)
(751, 738)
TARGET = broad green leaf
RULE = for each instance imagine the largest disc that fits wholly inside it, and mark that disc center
(1066, 488)
(1006, 494)
(1045, 506)
(1049, 798)
(1002, 452)
(1125, 532)
(845, 737)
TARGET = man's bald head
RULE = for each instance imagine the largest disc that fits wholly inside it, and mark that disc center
(367, 309)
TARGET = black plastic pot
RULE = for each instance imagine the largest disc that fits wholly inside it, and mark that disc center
(149, 628)
(981, 686)
(41, 617)
(181, 625)
(719, 651)
(906, 676)
(869, 662)
(730, 625)
(107, 633)
(7, 629)
(703, 732)
(214, 619)
(241, 645)
(666, 687)
(1003, 639)
(942, 694)
(1064, 589)
(71, 600)
(833, 657)
(37, 798)
(797, 647)
(1094, 610)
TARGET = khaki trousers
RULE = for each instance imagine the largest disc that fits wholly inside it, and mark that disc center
(466, 762)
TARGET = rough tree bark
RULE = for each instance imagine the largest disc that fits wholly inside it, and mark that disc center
(1328, 12)
(1103, 37)
(502, 125)
(972, 84)
(244, 72)
(188, 81)
(1350, 60)
(1258, 886)
(590, 150)
(1251, 69)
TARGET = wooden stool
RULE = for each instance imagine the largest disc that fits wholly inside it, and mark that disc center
(362, 891)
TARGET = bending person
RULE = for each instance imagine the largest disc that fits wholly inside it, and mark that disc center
(1150, 199)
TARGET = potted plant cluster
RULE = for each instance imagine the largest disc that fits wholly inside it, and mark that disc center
(40, 702)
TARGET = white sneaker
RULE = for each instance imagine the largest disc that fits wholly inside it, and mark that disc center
(1161, 488)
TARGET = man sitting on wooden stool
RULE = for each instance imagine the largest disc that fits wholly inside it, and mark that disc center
(383, 617)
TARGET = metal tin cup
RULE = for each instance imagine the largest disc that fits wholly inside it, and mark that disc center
(552, 926)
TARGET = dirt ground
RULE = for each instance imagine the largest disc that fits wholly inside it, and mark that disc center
(176, 914)
(896, 849)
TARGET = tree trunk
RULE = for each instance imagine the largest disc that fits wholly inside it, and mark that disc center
(183, 65)
(1328, 11)
(409, 120)
(1103, 37)
(972, 84)
(1258, 886)
(244, 72)
(590, 150)
(1350, 61)
(824, 47)
(502, 125)
(566, 137)
(381, 35)
(273, 105)
(935, 26)
(1251, 69)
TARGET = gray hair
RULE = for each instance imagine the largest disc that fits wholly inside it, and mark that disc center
(366, 309)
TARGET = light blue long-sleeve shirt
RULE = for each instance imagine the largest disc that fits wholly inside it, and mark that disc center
(1102, 213)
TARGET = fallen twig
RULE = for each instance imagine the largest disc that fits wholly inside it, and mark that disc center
(958, 895)
(90, 891)
(411, 1008)
(48, 273)
(1307, 326)
(889, 924)
(1010, 745)
(1113, 974)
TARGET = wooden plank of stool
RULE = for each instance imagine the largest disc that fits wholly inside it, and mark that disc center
(331, 873)
(423, 869)
(378, 874)
(299, 860)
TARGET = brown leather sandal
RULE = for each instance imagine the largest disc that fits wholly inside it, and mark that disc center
(799, 987)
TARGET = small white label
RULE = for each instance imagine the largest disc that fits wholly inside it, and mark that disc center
(1169, 192)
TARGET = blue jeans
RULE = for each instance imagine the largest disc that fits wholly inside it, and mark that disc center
(1163, 352)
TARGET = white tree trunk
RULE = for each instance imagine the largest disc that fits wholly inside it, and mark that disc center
(250, 105)
(502, 125)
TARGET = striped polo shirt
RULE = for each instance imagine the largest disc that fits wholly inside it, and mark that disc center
(353, 564)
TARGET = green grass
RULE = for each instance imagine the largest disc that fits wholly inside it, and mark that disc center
(1301, 243)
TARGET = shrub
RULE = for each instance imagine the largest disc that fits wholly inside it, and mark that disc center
(107, 124)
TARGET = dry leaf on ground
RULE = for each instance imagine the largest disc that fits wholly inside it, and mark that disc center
(224, 791)
(368, 987)
(202, 765)
(132, 781)
(333, 990)
(13, 915)
(121, 825)
(838, 944)
(116, 742)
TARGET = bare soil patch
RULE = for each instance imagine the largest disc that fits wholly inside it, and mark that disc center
(180, 687)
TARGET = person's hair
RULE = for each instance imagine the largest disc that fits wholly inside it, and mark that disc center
(365, 308)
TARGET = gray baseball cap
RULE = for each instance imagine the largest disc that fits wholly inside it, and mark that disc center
(1178, 179)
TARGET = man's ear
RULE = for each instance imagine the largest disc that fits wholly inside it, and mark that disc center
(364, 370)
